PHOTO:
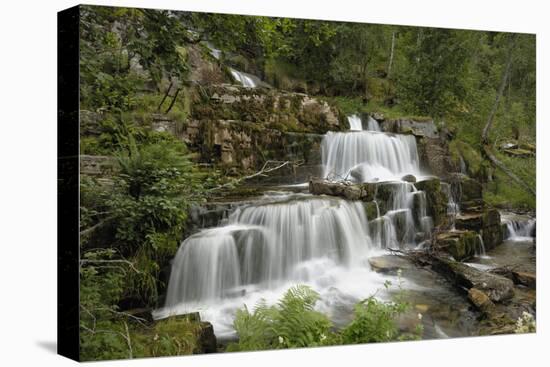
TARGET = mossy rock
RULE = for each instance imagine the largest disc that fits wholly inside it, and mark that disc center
(371, 210)
(436, 199)
(461, 245)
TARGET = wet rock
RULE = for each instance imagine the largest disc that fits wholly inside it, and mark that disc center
(480, 300)
(469, 221)
(364, 192)
(486, 222)
(424, 128)
(527, 279)
(436, 200)
(496, 287)
(371, 209)
(475, 205)
(400, 222)
(435, 157)
(470, 189)
(492, 236)
(461, 245)
(207, 339)
(522, 274)
(409, 178)
(389, 263)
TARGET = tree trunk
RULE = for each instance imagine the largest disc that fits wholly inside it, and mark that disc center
(165, 95)
(391, 54)
(173, 100)
(485, 135)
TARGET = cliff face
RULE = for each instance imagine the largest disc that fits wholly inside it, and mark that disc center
(240, 128)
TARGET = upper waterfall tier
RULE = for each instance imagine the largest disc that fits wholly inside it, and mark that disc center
(366, 156)
(355, 123)
(245, 79)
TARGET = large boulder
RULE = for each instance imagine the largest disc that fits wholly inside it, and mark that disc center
(486, 222)
(496, 287)
(470, 189)
(389, 263)
(481, 300)
(461, 245)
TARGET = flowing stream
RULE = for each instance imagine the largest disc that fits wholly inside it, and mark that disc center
(283, 239)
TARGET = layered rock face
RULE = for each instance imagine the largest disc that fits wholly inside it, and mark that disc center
(241, 128)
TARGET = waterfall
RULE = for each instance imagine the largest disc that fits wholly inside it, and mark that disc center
(368, 156)
(266, 244)
(480, 248)
(453, 208)
(246, 80)
(355, 123)
(518, 227)
(282, 239)
(372, 125)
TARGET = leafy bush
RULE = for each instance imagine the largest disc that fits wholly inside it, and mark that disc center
(294, 323)
(373, 322)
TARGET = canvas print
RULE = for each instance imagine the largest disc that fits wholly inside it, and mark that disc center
(253, 183)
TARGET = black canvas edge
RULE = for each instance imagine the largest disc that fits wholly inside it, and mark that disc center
(68, 245)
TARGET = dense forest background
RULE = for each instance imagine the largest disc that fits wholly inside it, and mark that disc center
(135, 63)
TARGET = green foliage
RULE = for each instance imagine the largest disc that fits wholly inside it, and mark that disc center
(294, 323)
(435, 78)
(373, 322)
(108, 333)
(122, 49)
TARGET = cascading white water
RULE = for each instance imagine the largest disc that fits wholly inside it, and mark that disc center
(263, 248)
(265, 244)
(518, 227)
(453, 207)
(355, 123)
(480, 248)
(372, 124)
(369, 156)
(244, 79)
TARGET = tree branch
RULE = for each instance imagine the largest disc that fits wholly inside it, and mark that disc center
(262, 172)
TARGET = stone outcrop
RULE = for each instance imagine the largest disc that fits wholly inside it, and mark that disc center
(284, 111)
(350, 191)
(417, 127)
(521, 274)
(97, 165)
(389, 263)
(461, 245)
(436, 199)
(496, 287)
(486, 222)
